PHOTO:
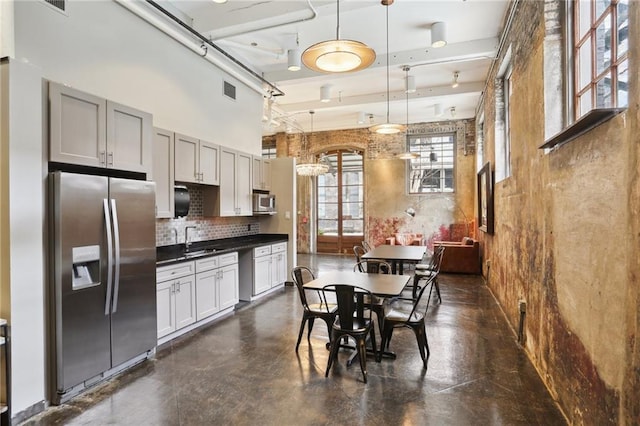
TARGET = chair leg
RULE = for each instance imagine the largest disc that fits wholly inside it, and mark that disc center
(423, 344)
(328, 322)
(362, 351)
(310, 327)
(335, 345)
(373, 344)
(386, 336)
(435, 282)
(304, 320)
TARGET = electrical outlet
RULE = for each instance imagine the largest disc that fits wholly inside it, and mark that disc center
(522, 305)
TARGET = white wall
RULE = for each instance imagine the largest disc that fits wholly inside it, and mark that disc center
(283, 186)
(26, 209)
(103, 49)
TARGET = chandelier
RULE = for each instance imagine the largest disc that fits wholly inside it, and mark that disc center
(308, 166)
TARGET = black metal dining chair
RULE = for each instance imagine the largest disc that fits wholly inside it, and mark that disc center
(426, 271)
(375, 303)
(399, 315)
(323, 310)
(348, 324)
(366, 246)
(358, 251)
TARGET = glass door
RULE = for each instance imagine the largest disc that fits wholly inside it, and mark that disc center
(340, 203)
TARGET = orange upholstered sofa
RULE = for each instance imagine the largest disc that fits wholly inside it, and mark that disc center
(404, 239)
(462, 257)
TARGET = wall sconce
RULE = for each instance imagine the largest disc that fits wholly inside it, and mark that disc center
(410, 84)
(456, 74)
(361, 117)
(438, 34)
(325, 93)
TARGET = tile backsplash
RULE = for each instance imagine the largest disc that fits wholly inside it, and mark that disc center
(207, 228)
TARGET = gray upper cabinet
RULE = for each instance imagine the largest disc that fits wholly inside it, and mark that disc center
(196, 161)
(163, 143)
(90, 131)
(261, 173)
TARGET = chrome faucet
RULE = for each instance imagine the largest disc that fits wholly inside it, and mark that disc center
(187, 241)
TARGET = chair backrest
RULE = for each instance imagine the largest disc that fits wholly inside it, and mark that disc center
(366, 246)
(416, 303)
(346, 300)
(358, 251)
(372, 267)
(436, 259)
(297, 274)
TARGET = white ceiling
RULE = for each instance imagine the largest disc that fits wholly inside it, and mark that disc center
(259, 33)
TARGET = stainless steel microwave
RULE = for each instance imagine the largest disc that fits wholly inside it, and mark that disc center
(264, 203)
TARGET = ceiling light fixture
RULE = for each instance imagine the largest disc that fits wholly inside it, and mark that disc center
(338, 55)
(309, 167)
(361, 117)
(220, 1)
(293, 57)
(408, 155)
(453, 111)
(454, 83)
(410, 84)
(438, 34)
(325, 93)
(387, 128)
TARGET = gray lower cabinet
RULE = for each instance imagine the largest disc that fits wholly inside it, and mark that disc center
(216, 284)
(176, 297)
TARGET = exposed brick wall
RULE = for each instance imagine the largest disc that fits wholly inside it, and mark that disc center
(385, 201)
(580, 329)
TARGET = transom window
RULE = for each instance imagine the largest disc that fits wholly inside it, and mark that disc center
(269, 149)
(433, 170)
(600, 49)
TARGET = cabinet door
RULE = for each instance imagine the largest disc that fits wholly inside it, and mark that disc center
(209, 163)
(77, 125)
(186, 159)
(206, 298)
(163, 172)
(185, 301)
(228, 182)
(129, 136)
(266, 175)
(228, 286)
(279, 269)
(261, 274)
(166, 308)
(257, 172)
(244, 184)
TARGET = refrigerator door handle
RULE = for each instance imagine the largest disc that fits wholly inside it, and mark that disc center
(116, 239)
(107, 223)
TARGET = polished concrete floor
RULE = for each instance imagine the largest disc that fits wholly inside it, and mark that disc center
(243, 370)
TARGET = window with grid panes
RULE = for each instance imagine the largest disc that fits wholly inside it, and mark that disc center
(269, 149)
(600, 49)
(433, 169)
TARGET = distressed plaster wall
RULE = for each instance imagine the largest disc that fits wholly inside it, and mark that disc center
(565, 241)
(385, 183)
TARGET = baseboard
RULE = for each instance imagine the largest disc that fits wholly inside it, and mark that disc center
(29, 412)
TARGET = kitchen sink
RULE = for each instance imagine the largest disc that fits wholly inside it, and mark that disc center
(199, 252)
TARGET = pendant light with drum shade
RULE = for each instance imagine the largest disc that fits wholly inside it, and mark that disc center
(336, 56)
(309, 167)
(387, 128)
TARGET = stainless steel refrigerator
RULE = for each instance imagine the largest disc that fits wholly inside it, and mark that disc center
(103, 266)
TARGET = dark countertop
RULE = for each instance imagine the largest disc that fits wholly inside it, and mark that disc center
(167, 255)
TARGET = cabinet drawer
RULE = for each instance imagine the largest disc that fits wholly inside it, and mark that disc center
(228, 259)
(171, 272)
(261, 251)
(207, 263)
(279, 248)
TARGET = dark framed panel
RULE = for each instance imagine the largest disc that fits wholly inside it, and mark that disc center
(485, 199)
